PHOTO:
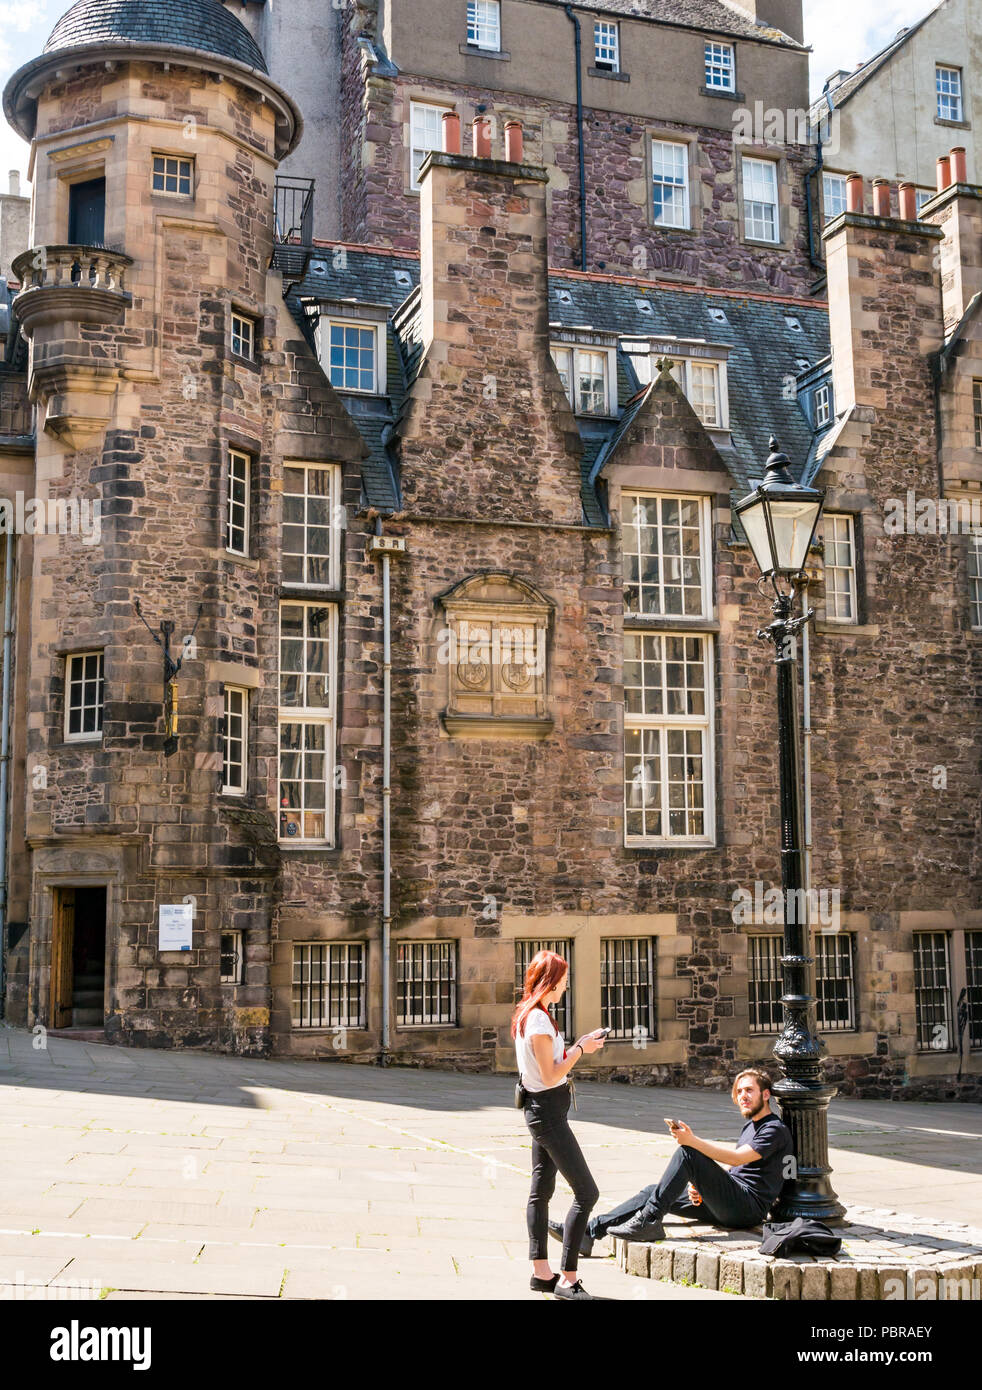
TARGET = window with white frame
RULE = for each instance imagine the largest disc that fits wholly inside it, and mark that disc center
(924, 195)
(426, 983)
(627, 988)
(975, 578)
(834, 195)
(172, 174)
(720, 67)
(352, 355)
(670, 184)
(668, 782)
(765, 983)
(231, 958)
(310, 543)
(973, 976)
(328, 985)
(977, 412)
(243, 336)
(606, 46)
(839, 536)
(484, 24)
(425, 134)
(949, 85)
(236, 741)
(524, 952)
(308, 641)
(761, 213)
(823, 405)
(585, 374)
(932, 992)
(703, 391)
(237, 517)
(666, 550)
(835, 984)
(638, 352)
(84, 695)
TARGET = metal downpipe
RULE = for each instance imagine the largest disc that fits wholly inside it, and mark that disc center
(8, 632)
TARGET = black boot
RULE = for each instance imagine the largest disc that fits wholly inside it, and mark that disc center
(639, 1227)
(586, 1244)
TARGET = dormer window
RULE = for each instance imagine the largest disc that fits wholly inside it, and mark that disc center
(822, 406)
(586, 374)
(352, 356)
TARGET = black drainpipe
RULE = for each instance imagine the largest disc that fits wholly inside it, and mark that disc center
(579, 132)
(817, 264)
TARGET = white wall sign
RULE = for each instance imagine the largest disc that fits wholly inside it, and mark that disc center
(175, 925)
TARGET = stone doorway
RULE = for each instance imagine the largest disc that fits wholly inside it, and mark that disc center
(78, 958)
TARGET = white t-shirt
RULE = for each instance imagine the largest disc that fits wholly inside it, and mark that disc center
(537, 1021)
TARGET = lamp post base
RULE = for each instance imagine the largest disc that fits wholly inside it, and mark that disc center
(808, 1193)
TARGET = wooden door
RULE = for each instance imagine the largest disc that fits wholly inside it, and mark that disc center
(87, 213)
(62, 944)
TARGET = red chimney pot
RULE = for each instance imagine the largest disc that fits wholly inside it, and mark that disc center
(451, 132)
(944, 173)
(881, 198)
(959, 165)
(481, 128)
(854, 193)
(514, 142)
(908, 202)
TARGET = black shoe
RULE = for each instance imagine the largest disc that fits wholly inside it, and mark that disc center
(576, 1293)
(544, 1285)
(586, 1244)
(638, 1228)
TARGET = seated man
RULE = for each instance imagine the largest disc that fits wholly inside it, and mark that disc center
(758, 1166)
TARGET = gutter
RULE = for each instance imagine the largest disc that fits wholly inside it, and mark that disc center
(817, 264)
(579, 128)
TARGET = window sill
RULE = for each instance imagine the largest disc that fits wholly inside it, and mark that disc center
(771, 245)
(318, 846)
(833, 629)
(427, 1027)
(609, 74)
(644, 622)
(328, 1029)
(497, 726)
(664, 227)
(722, 92)
(953, 125)
(473, 50)
(73, 741)
(662, 845)
(249, 363)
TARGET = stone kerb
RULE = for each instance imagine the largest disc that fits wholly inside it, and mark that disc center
(885, 1257)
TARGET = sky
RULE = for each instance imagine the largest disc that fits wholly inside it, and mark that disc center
(842, 33)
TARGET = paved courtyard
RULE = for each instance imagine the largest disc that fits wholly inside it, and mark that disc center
(161, 1175)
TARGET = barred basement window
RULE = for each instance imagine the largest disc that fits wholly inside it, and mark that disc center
(949, 85)
(329, 985)
(85, 696)
(311, 524)
(232, 958)
(720, 67)
(236, 734)
(666, 549)
(524, 951)
(977, 411)
(237, 522)
(243, 337)
(762, 221)
(606, 49)
(835, 985)
(668, 778)
(973, 972)
(932, 992)
(172, 175)
(975, 578)
(627, 987)
(308, 641)
(838, 533)
(426, 983)
(765, 983)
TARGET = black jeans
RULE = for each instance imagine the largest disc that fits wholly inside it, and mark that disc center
(725, 1202)
(554, 1147)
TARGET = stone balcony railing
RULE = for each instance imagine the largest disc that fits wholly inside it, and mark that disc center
(66, 293)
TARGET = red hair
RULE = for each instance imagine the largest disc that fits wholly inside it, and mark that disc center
(546, 970)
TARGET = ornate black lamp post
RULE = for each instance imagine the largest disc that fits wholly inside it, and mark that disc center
(780, 519)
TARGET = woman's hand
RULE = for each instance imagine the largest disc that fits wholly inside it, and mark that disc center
(591, 1042)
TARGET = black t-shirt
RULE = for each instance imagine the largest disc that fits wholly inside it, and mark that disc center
(771, 1138)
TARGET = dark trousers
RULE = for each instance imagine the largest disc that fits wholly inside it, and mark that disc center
(724, 1201)
(554, 1148)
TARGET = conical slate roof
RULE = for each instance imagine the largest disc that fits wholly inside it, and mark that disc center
(202, 24)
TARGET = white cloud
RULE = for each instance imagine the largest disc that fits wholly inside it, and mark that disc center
(844, 33)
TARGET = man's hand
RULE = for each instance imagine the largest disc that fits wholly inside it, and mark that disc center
(694, 1196)
(682, 1134)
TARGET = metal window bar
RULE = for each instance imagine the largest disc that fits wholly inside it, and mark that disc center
(765, 983)
(973, 971)
(524, 951)
(626, 988)
(932, 992)
(230, 962)
(835, 984)
(329, 985)
(426, 983)
(293, 225)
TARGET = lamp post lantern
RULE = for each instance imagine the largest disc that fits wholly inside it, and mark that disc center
(780, 519)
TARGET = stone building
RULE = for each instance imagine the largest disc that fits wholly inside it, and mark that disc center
(499, 487)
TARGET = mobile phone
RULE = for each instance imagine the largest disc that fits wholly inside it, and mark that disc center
(602, 1032)
(672, 1124)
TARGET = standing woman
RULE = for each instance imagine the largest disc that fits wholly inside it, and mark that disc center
(543, 1065)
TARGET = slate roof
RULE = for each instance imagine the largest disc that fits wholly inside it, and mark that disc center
(764, 360)
(201, 24)
(715, 15)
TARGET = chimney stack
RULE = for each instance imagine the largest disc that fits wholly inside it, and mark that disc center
(15, 183)
(957, 210)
